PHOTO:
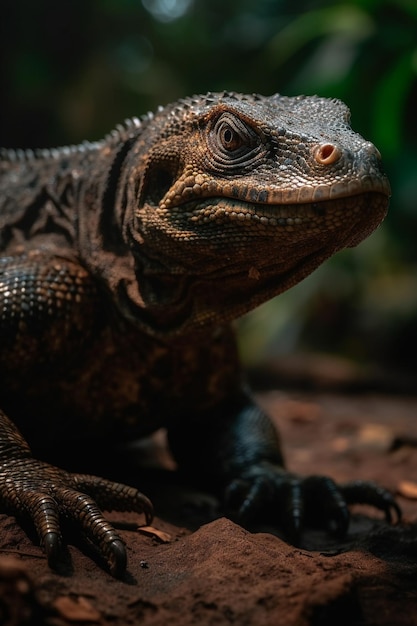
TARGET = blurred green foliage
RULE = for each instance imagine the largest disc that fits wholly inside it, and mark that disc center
(70, 70)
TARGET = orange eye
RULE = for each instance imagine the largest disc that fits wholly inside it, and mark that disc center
(229, 138)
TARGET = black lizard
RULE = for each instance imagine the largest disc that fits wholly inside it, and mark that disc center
(123, 262)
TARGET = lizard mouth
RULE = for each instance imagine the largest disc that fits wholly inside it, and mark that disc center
(356, 214)
(215, 209)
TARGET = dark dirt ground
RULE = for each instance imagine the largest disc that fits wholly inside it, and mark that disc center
(205, 570)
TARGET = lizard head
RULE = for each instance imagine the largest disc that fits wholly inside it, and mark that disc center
(231, 199)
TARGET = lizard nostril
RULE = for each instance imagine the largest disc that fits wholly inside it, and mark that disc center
(327, 153)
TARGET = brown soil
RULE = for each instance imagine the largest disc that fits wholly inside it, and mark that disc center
(203, 569)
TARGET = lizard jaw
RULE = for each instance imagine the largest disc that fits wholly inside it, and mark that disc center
(185, 193)
(361, 213)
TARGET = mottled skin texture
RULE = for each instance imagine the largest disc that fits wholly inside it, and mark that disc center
(123, 262)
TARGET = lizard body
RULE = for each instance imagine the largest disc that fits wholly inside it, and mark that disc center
(123, 262)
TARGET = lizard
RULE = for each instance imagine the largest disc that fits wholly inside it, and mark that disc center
(124, 263)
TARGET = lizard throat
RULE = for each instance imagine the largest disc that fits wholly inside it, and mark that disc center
(195, 305)
(217, 258)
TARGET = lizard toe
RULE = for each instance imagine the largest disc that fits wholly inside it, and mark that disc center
(368, 492)
(117, 558)
(52, 543)
(113, 496)
(292, 509)
(83, 512)
(326, 504)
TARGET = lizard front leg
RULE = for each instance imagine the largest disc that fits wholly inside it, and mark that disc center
(47, 311)
(237, 448)
(45, 493)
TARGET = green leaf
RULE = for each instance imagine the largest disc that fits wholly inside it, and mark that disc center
(343, 19)
(390, 97)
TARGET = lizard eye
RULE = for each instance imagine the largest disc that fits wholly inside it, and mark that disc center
(232, 135)
(229, 139)
(232, 142)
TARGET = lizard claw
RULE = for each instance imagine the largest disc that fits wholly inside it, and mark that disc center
(297, 502)
(114, 496)
(45, 493)
(368, 492)
(117, 558)
(293, 510)
(333, 507)
(52, 544)
(316, 498)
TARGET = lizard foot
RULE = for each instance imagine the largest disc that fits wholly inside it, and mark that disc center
(46, 494)
(267, 490)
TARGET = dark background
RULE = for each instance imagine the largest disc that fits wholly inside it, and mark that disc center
(72, 69)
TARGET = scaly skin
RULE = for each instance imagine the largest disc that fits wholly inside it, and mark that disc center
(123, 261)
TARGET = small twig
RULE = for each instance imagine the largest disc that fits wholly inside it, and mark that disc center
(20, 553)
